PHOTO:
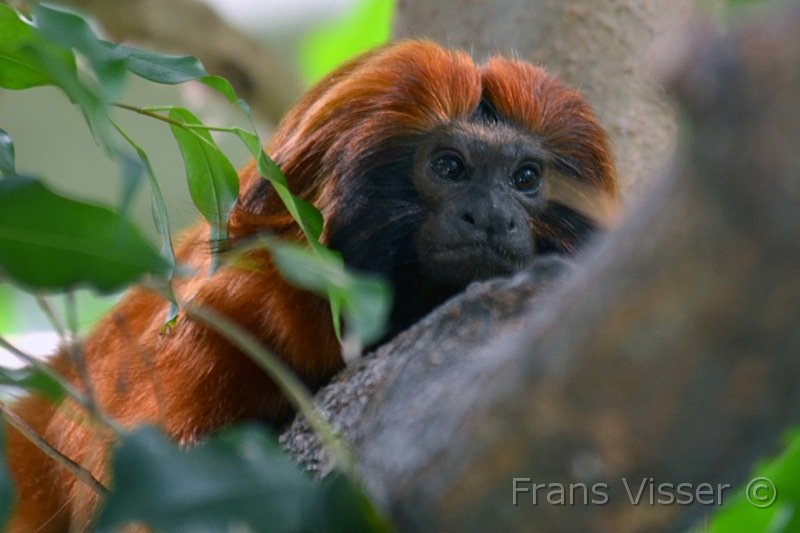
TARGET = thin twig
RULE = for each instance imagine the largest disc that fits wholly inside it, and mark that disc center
(74, 468)
(79, 398)
(78, 358)
(52, 317)
(153, 113)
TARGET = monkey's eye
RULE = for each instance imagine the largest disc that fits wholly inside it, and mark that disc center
(527, 178)
(448, 165)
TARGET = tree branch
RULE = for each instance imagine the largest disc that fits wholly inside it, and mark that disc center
(671, 353)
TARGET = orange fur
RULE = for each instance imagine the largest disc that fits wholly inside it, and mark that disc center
(191, 381)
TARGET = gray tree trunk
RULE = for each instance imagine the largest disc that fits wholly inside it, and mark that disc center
(672, 352)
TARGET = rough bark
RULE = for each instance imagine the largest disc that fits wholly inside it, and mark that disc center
(604, 48)
(260, 76)
(672, 352)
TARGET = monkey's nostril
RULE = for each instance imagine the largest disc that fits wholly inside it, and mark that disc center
(467, 217)
(511, 225)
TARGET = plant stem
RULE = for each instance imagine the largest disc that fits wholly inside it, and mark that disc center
(291, 386)
(152, 113)
(52, 317)
(74, 468)
(76, 355)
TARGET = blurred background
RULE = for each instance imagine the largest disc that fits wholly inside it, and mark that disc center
(53, 142)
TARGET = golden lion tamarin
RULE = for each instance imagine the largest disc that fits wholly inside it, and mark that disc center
(429, 170)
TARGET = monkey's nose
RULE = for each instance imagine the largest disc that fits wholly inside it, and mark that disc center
(488, 221)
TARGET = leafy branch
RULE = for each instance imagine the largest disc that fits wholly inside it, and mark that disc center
(81, 244)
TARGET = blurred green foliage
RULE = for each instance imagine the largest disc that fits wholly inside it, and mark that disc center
(368, 25)
(769, 501)
(8, 319)
(50, 242)
(239, 480)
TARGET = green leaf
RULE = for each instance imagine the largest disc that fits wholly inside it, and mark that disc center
(63, 74)
(31, 56)
(224, 87)
(94, 109)
(240, 480)
(162, 68)
(33, 380)
(365, 300)
(7, 497)
(54, 243)
(71, 30)
(131, 172)
(158, 206)
(747, 510)
(24, 54)
(341, 505)
(213, 181)
(307, 216)
(175, 69)
(6, 153)
(161, 220)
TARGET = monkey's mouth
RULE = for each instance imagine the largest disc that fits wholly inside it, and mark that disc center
(464, 263)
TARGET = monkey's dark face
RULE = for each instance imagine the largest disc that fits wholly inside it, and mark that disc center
(483, 185)
(435, 212)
